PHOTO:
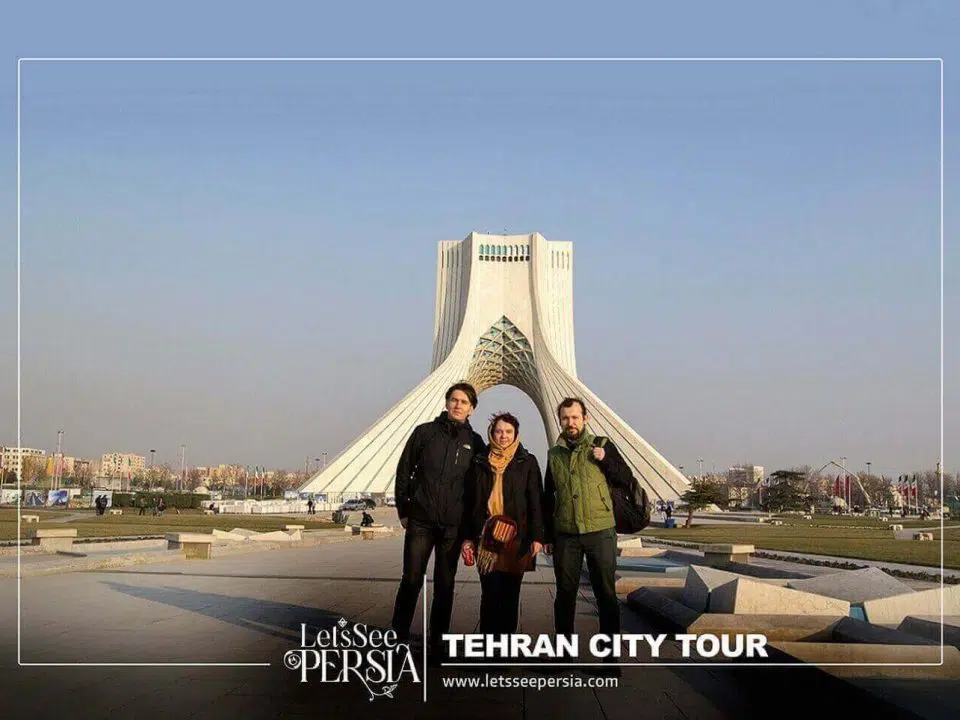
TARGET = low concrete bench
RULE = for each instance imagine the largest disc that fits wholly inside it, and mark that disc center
(52, 539)
(776, 522)
(896, 527)
(208, 511)
(288, 526)
(115, 511)
(30, 518)
(196, 546)
(720, 554)
(370, 532)
(923, 536)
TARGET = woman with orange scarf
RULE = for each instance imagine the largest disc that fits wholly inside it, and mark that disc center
(504, 523)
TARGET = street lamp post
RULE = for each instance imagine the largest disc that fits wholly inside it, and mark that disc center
(183, 466)
(58, 463)
(868, 468)
(700, 471)
(324, 460)
(846, 485)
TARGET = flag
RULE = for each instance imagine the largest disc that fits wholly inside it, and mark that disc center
(836, 487)
(846, 488)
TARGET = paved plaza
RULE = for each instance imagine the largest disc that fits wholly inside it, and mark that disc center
(249, 608)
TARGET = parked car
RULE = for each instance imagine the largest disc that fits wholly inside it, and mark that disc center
(391, 501)
(354, 505)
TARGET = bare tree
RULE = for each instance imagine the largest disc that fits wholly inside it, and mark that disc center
(83, 474)
(34, 470)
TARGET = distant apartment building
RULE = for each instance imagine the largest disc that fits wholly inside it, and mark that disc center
(745, 475)
(11, 459)
(121, 465)
(742, 482)
(72, 466)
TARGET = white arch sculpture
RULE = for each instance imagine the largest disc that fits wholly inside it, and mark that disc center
(504, 315)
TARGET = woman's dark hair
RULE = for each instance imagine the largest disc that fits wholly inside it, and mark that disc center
(466, 389)
(570, 402)
(507, 418)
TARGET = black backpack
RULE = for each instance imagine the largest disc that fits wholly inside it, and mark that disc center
(631, 508)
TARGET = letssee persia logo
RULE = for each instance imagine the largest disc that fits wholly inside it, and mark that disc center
(354, 652)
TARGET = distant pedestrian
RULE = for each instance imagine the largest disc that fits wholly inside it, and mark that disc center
(310, 510)
(143, 506)
(161, 506)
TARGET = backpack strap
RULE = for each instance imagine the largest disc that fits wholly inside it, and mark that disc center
(599, 441)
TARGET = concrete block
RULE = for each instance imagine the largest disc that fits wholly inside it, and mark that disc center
(807, 628)
(52, 539)
(743, 596)
(669, 612)
(30, 518)
(195, 546)
(852, 630)
(273, 536)
(896, 527)
(776, 522)
(626, 585)
(928, 626)
(288, 526)
(244, 532)
(115, 511)
(855, 586)
(700, 583)
(923, 536)
(893, 610)
(720, 554)
(224, 535)
(642, 552)
(629, 541)
(897, 655)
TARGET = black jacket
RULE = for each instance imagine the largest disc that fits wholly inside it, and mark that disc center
(522, 497)
(430, 474)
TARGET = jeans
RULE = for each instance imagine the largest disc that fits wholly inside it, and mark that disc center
(419, 541)
(600, 549)
(499, 602)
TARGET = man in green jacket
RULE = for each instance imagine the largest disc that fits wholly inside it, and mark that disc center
(579, 518)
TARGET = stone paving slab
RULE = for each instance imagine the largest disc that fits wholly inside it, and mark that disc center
(248, 608)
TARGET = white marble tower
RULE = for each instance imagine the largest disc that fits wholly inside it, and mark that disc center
(504, 315)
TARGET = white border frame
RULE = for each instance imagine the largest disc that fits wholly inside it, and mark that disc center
(939, 60)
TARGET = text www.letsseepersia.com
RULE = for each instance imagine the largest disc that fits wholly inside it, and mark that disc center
(532, 683)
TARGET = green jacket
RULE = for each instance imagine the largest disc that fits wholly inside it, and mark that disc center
(577, 497)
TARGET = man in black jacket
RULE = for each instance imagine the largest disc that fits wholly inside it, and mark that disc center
(429, 491)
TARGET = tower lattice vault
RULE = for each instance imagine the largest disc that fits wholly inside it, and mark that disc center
(504, 315)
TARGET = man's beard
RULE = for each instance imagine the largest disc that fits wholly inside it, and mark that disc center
(571, 433)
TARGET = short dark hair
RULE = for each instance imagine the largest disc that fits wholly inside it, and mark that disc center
(507, 418)
(467, 389)
(570, 402)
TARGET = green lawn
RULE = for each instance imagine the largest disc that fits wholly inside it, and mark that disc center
(854, 542)
(849, 521)
(131, 524)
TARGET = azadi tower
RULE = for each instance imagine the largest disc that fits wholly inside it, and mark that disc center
(504, 315)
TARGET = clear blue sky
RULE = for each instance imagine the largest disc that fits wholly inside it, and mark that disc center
(239, 256)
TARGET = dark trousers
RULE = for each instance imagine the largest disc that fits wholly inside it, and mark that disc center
(499, 602)
(600, 549)
(419, 541)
